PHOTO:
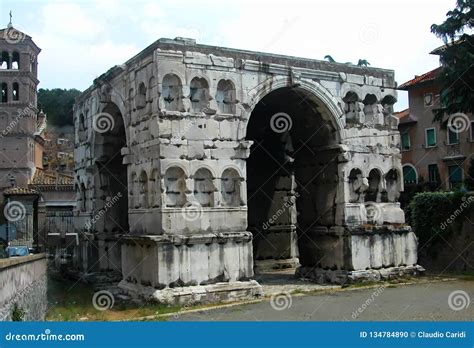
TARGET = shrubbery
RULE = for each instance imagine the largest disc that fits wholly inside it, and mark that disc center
(430, 214)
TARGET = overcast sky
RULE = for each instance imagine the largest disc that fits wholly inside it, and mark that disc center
(82, 39)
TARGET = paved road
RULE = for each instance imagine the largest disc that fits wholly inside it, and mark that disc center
(410, 302)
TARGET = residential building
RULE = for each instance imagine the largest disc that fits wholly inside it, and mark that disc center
(433, 153)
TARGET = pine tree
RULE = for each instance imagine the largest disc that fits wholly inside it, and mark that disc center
(457, 56)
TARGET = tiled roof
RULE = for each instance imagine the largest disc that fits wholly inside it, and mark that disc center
(42, 178)
(429, 76)
(17, 191)
(404, 117)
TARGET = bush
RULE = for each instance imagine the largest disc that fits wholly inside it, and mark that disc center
(430, 212)
(17, 313)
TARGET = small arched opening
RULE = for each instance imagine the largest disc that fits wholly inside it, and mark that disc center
(230, 188)
(199, 94)
(225, 97)
(373, 191)
(171, 92)
(204, 187)
(175, 187)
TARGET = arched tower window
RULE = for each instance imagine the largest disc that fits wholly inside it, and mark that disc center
(16, 61)
(172, 92)
(225, 97)
(4, 92)
(204, 188)
(5, 60)
(16, 91)
(199, 94)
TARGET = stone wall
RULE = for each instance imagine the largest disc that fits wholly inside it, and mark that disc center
(23, 283)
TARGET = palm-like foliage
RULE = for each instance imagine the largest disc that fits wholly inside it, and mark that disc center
(329, 58)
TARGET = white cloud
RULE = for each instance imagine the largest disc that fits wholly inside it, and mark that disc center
(70, 21)
(90, 37)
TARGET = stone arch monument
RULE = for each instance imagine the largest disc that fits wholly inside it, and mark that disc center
(227, 160)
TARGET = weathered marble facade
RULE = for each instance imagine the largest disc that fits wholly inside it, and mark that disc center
(193, 161)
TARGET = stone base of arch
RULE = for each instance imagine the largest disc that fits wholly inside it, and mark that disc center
(175, 269)
(199, 294)
(358, 254)
(344, 277)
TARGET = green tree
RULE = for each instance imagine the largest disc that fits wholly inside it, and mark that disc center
(57, 105)
(457, 56)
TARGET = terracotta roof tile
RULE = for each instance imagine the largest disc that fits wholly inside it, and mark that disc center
(429, 76)
(405, 117)
(51, 179)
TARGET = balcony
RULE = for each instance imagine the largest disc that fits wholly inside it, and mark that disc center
(453, 152)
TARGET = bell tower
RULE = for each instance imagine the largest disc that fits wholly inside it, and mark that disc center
(21, 141)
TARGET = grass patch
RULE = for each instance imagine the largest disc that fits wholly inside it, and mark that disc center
(70, 301)
(466, 275)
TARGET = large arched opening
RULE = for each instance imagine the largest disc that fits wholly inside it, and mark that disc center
(292, 176)
(111, 189)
